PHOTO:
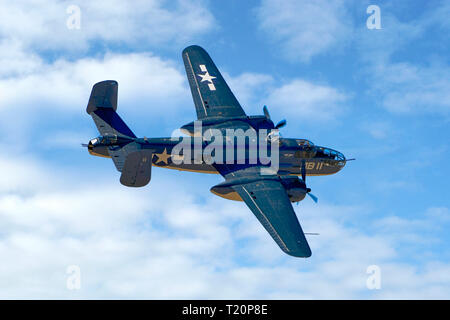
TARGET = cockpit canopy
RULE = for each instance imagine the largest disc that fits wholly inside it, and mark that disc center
(94, 141)
(331, 156)
(304, 142)
(306, 149)
(104, 140)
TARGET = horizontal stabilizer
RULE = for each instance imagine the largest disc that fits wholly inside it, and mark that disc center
(137, 169)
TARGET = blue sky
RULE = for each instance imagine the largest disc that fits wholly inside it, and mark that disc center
(380, 96)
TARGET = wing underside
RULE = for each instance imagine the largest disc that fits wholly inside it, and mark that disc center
(267, 198)
(269, 202)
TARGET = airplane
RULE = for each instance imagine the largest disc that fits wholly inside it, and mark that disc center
(269, 194)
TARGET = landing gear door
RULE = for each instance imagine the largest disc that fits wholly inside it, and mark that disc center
(137, 169)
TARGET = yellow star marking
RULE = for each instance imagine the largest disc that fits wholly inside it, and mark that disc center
(164, 156)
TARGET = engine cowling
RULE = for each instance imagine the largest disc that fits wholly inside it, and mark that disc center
(295, 187)
(98, 151)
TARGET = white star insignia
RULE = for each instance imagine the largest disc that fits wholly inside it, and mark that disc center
(207, 77)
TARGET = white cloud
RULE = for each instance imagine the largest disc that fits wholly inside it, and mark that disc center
(414, 89)
(440, 213)
(150, 243)
(148, 85)
(67, 85)
(377, 129)
(377, 45)
(41, 24)
(63, 140)
(15, 61)
(37, 67)
(296, 97)
(317, 102)
(305, 28)
(402, 86)
(248, 89)
(438, 16)
(186, 243)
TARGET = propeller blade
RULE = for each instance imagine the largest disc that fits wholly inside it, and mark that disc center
(266, 112)
(303, 171)
(84, 145)
(315, 199)
(280, 124)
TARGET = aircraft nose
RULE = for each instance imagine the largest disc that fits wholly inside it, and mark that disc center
(90, 147)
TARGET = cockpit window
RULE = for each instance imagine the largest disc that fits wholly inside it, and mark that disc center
(330, 154)
(106, 140)
(306, 149)
(304, 142)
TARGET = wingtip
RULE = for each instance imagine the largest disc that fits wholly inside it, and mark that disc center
(193, 47)
(300, 253)
(106, 82)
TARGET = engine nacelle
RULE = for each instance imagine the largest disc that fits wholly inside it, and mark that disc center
(295, 187)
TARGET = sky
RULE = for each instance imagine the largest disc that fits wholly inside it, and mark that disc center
(379, 95)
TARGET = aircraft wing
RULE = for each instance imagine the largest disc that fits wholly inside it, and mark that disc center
(268, 200)
(119, 154)
(211, 94)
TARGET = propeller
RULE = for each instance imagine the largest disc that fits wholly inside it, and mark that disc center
(84, 145)
(266, 112)
(308, 190)
(304, 171)
(280, 124)
(313, 197)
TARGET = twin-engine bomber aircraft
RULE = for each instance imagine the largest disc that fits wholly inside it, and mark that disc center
(267, 187)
